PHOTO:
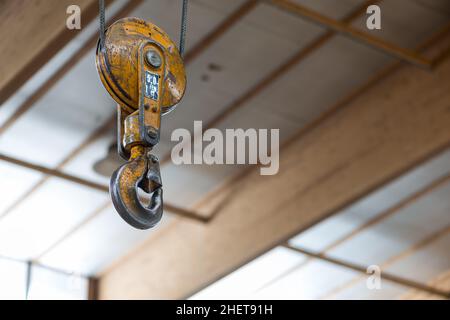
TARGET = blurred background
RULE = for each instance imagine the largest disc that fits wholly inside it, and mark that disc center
(363, 187)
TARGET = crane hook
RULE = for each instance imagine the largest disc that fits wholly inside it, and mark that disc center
(143, 71)
(142, 171)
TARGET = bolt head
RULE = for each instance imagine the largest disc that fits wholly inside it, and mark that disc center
(153, 58)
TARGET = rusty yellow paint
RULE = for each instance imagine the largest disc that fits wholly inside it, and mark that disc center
(131, 135)
(131, 175)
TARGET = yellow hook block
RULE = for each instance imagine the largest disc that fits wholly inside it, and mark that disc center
(118, 65)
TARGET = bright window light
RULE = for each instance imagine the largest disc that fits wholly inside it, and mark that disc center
(246, 281)
(12, 279)
(47, 284)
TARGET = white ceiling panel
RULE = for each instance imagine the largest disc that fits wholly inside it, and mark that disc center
(98, 243)
(184, 185)
(83, 164)
(50, 285)
(12, 279)
(14, 184)
(46, 216)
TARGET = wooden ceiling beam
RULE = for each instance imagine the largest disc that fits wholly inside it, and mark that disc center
(32, 32)
(391, 128)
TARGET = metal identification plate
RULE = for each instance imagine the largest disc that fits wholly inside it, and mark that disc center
(151, 85)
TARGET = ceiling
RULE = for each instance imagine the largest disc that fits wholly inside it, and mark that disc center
(72, 227)
(404, 228)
